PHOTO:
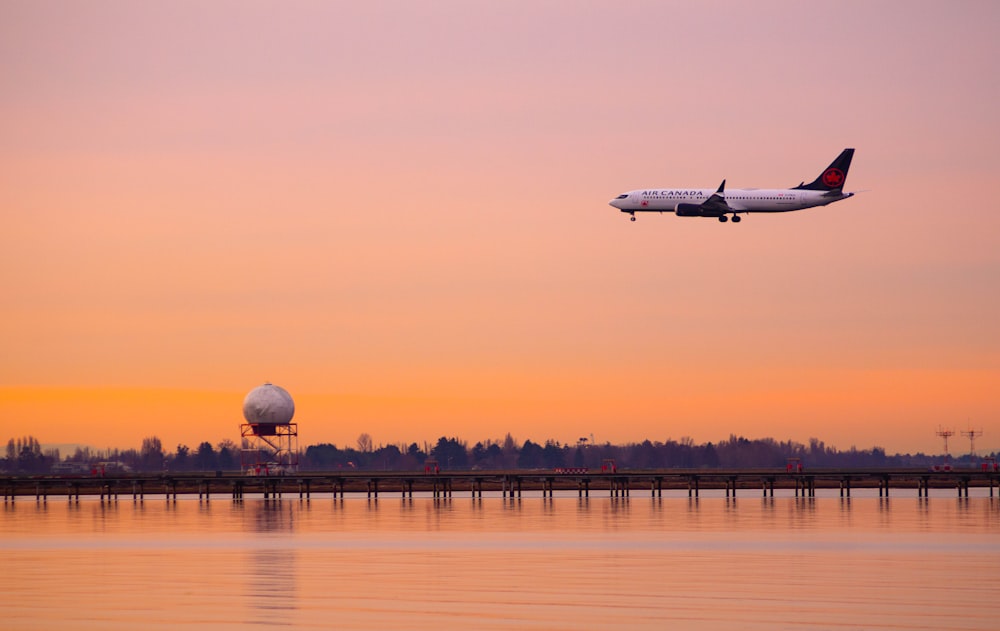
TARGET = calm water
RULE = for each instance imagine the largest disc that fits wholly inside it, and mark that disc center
(534, 563)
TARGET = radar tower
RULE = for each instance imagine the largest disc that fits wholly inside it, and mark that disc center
(270, 439)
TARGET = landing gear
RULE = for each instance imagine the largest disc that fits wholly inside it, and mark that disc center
(632, 218)
(723, 219)
(737, 219)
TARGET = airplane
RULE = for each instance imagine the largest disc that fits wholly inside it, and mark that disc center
(703, 202)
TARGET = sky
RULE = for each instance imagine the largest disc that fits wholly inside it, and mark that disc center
(397, 211)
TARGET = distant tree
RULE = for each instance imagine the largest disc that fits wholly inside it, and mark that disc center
(487, 456)
(81, 454)
(228, 456)
(709, 456)
(679, 455)
(181, 460)
(450, 453)
(354, 459)
(325, 457)
(494, 456)
(365, 443)
(204, 458)
(27, 456)
(552, 455)
(511, 451)
(388, 458)
(151, 455)
(530, 456)
(878, 457)
(414, 458)
(645, 455)
(415, 451)
(478, 455)
(509, 444)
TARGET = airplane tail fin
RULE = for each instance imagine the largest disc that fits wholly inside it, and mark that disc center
(834, 176)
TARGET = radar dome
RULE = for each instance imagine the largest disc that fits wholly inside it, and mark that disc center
(267, 406)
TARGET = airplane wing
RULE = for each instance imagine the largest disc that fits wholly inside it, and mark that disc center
(716, 204)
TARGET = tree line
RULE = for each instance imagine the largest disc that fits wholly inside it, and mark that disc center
(26, 456)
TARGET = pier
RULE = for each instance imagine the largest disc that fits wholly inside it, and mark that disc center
(511, 483)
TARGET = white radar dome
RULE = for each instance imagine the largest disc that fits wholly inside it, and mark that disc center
(268, 405)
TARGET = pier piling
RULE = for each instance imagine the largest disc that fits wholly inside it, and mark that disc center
(963, 485)
(511, 483)
(768, 486)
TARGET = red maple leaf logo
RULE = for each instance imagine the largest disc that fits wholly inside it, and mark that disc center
(645, 203)
(833, 178)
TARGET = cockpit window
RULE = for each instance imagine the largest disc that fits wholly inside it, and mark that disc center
(622, 196)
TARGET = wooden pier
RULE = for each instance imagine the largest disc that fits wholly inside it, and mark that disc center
(513, 483)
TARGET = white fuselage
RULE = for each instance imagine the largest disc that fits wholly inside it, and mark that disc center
(748, 200)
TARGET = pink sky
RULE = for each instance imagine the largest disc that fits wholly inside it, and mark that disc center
(398, 212)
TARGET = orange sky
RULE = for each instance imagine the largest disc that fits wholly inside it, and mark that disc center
(398, 212)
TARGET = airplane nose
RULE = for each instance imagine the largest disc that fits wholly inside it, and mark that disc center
(616, 203)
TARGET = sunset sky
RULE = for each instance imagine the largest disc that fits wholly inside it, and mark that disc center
(398, 212)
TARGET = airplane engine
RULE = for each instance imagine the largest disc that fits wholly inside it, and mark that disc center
(688, 210)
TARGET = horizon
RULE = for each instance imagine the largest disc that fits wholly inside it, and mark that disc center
(408, 228)
(981, 451)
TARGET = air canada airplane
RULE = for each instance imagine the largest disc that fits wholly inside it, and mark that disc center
(702, 202)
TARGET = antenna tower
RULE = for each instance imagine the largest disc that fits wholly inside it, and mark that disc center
(971, 434)
(945, 434)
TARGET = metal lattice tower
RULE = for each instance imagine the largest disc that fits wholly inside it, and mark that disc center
(945, 434)
(270, 451)
(971, 434)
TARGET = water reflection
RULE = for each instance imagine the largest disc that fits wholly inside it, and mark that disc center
(499, 564)
(512, 504)
(269, 516)
(270, 591)
(271, 587)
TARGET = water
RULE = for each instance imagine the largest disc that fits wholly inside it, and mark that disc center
(534, 563)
